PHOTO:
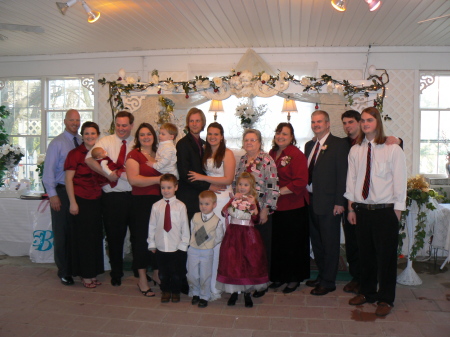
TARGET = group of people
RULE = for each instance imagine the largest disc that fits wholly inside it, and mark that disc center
(206, 225)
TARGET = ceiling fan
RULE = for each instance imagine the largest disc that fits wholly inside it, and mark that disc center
(20, 28)
(436, 18)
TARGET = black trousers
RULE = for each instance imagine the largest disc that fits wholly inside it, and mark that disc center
(61, 234)
(172, 270)
(116, 218)
(377, 234)
(266, 235)
(140, 210)
(351, 249)
(325, 233)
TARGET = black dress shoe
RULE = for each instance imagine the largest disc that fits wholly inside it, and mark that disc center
(248, 300)
(289, 290)
(276, 285)
(233, 299)
(261, 293)
(203, 304)
(319, 290)
(195, 300)
(67, 280)
(116, 281)
(312, 283)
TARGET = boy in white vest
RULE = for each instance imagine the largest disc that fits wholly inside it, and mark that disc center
(206, 233)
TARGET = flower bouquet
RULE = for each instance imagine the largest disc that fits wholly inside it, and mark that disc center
(10, 156)
(242, 204)
(250, 115)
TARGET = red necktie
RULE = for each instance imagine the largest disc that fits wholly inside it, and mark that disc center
(167, 221)
(366, 186)
(312, 163)
(121, 157)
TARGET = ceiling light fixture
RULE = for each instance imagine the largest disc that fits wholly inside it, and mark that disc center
(339, 5)
(373, 4)
(64, 6)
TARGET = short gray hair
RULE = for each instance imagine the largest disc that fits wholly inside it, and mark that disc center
(255, 132)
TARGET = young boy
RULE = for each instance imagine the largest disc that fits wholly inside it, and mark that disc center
(168, 238)
(376, 193)
(206, 233)
(108, 166)
(166, 155)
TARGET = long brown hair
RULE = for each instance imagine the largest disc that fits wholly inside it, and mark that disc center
(220, 152)
(380, 137)
(280, 127)
(137, 143)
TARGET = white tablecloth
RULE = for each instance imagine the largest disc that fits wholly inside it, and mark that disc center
(16, 225)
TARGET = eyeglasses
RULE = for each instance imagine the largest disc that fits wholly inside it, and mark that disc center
(250, 140)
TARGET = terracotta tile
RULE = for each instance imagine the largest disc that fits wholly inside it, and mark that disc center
(344, 314)
(439, 317)
(14, 302)
(121, 327)
(307, 312)
(181, 318)
(288, 324)
(275, 310)
(219, 321)
(53, 332)
(142, 302)
(298, 300)
(420, 305)
(11, 329)
(325, 326)
(322, 301)
(220, 332)
(253, 323)
(91, 334)
(435, 330)
(362, 328)
(21, 316)
(430, 294)
(240, 310)
(400, 329)
(214, 307)
(108, 311)
(404, 293)
(194, 331)
(443, 305)
(270, 334)
(93, 324)
(53, 319)
(148, 315)
(413, 316)
(156, 330)
(301, 334)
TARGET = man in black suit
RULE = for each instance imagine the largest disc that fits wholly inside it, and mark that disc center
(189, 158)
(327, 168)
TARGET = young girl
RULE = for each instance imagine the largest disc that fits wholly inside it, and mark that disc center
(243, 261)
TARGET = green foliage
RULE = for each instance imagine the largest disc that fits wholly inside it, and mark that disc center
(4, 114)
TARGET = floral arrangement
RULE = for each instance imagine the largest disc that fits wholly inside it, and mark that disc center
(285, 160)
(165, 115)
(10, 156)
(250, 115)
(242, 204)
(418, 190)
(40, 167)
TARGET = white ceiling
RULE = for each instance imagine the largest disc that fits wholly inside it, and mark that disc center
(127, 25)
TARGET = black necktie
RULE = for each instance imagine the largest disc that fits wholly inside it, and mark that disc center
(366, 186)
(75, 141)
(312, 163)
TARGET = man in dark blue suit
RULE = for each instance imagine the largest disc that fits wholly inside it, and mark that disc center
(327, 168)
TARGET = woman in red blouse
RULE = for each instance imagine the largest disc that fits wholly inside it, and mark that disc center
(85, 221)
(144, 181)
(290, 231)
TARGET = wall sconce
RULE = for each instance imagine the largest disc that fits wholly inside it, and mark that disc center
(64, 6)
(216, 106)
(289, 106)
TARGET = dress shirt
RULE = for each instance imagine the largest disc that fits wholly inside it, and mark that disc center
(387, 175)
(178, 237)
(166, 158)
(321, 142)
(55, 157)
(112, 144)
(264, 170)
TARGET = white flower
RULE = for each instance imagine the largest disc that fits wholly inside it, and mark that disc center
(170, 87)
(330, 87)
(305, 81)
(283, 75)
(235, 82)
(246, 78)
(199, 84)
(155, 79)
(131, 80)
(206, 84)
(122, 73)
(265, 77)
(340, 89)
(217, 81)
(41, 158)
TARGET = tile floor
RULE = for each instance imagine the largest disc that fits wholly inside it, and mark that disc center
(34, 303)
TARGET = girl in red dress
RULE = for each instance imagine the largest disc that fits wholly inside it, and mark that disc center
(243, 261)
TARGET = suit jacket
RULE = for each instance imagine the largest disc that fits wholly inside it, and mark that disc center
(189, 159)
(330, 174)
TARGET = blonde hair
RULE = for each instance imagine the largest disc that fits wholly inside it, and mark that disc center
(251, 179)
(171, 129)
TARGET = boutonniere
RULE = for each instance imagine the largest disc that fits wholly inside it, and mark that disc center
(324, 148)
(285, 160)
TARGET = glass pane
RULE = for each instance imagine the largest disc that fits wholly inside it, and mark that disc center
(428, 158)
(67, 94)
(444, 90)
(27, 166)
(429, 122)
(429, 96)
(55, 122)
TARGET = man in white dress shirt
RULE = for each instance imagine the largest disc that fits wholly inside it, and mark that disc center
(376, 194)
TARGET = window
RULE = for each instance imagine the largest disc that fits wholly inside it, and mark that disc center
(435, 122)
(37, 108)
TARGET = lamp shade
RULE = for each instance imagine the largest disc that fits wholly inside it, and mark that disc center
(216, 106)
(289, 106)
